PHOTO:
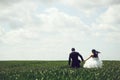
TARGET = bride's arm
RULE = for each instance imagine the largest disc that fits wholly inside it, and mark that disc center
(89, 57)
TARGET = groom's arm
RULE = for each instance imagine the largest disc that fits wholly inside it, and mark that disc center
(81, 57)
(69, 60)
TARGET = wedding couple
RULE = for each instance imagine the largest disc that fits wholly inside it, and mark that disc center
(92, 61)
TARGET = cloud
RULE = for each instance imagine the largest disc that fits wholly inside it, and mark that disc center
(90, 7)
(28, 30)
(4, 4)
(7, 2)
(107, 25)
(18, 15)
(1, 31)
(44, 27)
(25, 23)
(52, 25)
(111, 16)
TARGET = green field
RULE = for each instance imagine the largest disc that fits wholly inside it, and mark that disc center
(56, 70)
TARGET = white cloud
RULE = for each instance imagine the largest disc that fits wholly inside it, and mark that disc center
(90, 7)
(17, 36)
(36, 27)
(111, 16)
(50, 22)
(108, 23)
(57, 20)
(1, 31)
(18, 13)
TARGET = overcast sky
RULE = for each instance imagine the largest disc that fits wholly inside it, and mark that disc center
(48, 29)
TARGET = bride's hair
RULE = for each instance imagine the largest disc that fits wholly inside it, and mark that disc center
(94, 51)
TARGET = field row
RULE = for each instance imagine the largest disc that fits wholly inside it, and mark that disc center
(56, 70)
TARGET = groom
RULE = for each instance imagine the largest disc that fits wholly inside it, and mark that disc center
(74, 57)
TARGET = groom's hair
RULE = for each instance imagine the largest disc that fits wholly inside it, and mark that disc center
(73, 49)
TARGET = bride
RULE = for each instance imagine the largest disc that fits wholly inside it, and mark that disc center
(93, 61)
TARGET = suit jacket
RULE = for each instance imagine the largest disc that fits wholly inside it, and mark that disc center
(74, 57)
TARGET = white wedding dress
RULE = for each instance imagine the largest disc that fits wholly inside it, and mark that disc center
(93, 62)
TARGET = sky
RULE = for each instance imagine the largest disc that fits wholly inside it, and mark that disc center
(48, 29)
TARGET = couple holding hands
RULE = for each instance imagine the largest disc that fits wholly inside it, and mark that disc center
(92, 61)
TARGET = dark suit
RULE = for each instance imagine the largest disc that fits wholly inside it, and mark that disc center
(75, 61)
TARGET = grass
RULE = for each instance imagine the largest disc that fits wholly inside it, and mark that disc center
(56, 70)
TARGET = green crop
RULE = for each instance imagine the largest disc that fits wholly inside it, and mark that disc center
(56, 70)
